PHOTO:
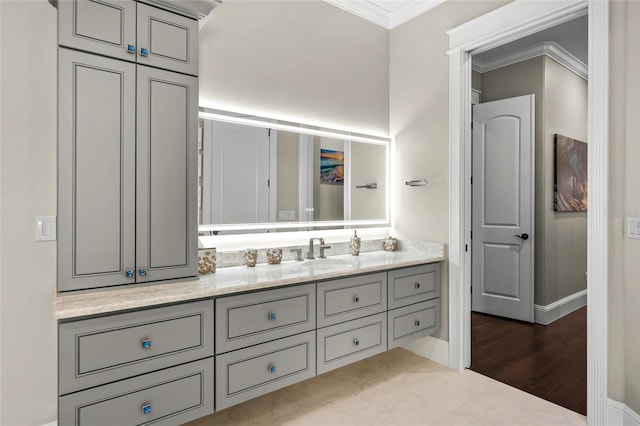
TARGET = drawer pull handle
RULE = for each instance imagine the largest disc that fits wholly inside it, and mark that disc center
(417, 285)
(131, 48)
(272, 317)
(129, 274)
(144, 51)
(146, 409)
(146, 343)
(417, 323)
(356, 342)
(356, 299)
(272, 368)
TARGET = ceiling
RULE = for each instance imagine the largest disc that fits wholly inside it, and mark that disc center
(386, 13)
(572, 36)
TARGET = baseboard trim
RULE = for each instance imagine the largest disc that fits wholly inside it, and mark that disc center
(431, 348)
(618, 414)
(547, 314)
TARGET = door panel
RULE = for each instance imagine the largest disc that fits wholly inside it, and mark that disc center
(98, 26)
(166, 174)
(96, 181)
(171, 40)
(502, 197)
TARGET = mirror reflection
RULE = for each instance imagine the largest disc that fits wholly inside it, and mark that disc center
(256, 174)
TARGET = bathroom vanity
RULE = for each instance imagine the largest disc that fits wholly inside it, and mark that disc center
(175, 352)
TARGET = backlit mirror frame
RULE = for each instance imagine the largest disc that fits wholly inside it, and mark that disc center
(252, 120)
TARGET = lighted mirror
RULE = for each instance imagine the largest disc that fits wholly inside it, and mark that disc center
(262, 175)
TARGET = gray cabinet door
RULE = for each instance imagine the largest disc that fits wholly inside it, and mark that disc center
(106, 27)
(96, 171)
(166, 204)
(167, 40)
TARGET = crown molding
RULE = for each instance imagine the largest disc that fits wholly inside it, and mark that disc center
(370, 11)
(550, 49)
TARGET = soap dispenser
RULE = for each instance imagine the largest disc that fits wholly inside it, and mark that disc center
(355, 244)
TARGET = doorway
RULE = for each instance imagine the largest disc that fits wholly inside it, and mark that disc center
(510, 22)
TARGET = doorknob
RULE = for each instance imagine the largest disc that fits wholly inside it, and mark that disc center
(524, 236)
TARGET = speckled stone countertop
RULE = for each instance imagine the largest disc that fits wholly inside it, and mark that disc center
(240, 279)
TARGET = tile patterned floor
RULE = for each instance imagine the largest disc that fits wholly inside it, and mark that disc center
(396, 388)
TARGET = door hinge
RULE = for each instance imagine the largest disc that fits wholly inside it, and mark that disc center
(268, 183)
(471, 290)
(466, 248)
(269, 133)
(472, 235)
(471, 180)
(472, 125)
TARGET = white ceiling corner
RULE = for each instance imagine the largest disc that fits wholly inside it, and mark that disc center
(386, 13)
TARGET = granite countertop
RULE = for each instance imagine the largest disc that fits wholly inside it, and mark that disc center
(238, 279)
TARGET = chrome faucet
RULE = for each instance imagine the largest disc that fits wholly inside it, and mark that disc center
(310, 254)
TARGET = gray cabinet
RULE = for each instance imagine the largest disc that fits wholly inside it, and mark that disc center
(254, 371)
(413, 321)
(349, 298)
(127, 159)
(414, 284)
(166, 203)
(168, 397)
(96, 171)
(131, 31)
(351, 341)
(101, 350)
(250, 319)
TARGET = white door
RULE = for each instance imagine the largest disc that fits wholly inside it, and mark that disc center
(502, 223)
(235, 174)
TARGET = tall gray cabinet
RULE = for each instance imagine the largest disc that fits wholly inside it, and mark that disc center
(127, 143)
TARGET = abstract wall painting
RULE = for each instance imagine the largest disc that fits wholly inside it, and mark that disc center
(570, 177)
(331, 166)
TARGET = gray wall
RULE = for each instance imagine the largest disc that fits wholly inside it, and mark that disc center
(624, 201)
(28, 174)
(419, 122)
(561, 107)
(305, 61)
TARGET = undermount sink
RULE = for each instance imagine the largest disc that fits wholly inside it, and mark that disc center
(325, 263)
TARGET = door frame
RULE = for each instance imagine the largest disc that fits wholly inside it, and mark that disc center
(508, 23)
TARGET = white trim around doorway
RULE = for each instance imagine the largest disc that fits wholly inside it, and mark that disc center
(513, 21)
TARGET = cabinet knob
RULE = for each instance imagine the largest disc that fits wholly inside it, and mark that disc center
(272, 317)
(356, 299)
(417, 323)
(146, 409)
(144, 51)
(356, 342)
(129, 274)
(272, 368)
(146, 343)
(143, 272)
(131, 48)
(416, 285)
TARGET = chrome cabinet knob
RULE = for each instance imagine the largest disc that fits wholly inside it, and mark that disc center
(129, 274)
(272, 368)
(416, 285)
(131, 48)
(417, 323)
(272, 317)
(144, 51)
(146, 343)
(356, 299)
(356, 342)
(143, 272)
(146, 409)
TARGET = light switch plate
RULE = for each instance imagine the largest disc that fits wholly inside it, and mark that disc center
(633, 227)
(45, 228)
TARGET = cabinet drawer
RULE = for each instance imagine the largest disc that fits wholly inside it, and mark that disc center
(250, 319)
(168, 397)
(170, 40)
(351, 341)
(101, 350)
(414, 284)
(350, 298)
(107, 27)
(251, 372)
(413, 321)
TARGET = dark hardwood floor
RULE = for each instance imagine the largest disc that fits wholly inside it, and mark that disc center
(547, 361)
